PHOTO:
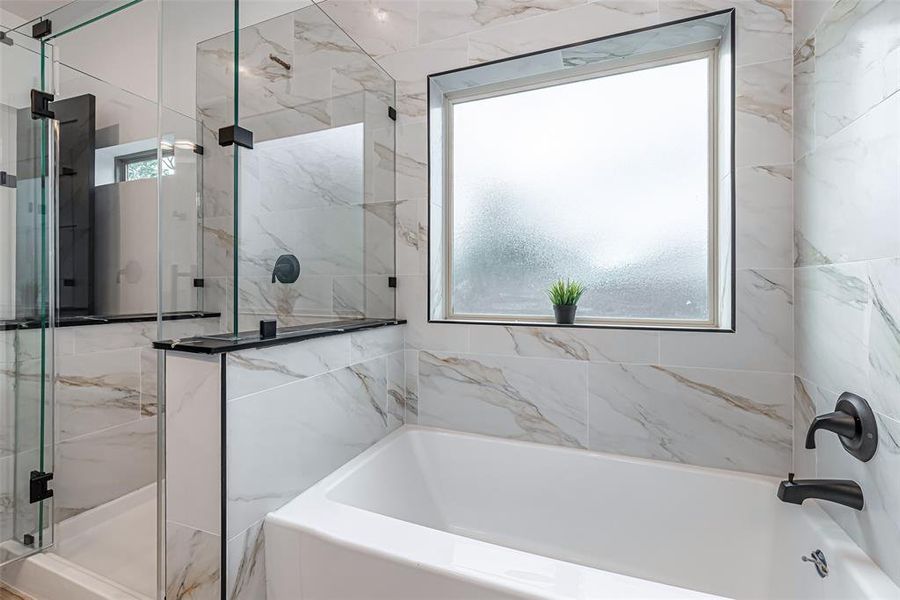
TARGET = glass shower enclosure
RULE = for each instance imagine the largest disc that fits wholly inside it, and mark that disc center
(168, 169)
(26, 300)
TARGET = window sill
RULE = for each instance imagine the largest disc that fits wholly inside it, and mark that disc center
(584, 325)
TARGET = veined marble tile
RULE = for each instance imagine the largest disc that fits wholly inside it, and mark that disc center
(763, 340)
(531, 399)
(848, 191)
(763, 114)
(410, 68)
(804, 98)
(98, 390)
(412, 160)
(290, 304)
(727, 419)
(805, 395)
(22, 390)
(328, 241)
(412, 238)
(313, 170)
(807, 16)
(876, 529)
(582, 22)
(439, 19)
(192, 564)
(831, 320)
(7, 347)
(420, 334)
(251, 371)
(246, 557)
(349, 296)
(411, 360)
(319, 42)
(379, 224)
(263, 79)
(379, 26)
(113, 336)
(396, 389)
(183, 328)
(884, 335)
(218, 247)
(764, 27)
(283, 440)
(765, 217)
(7, 497)
(7, 410)
(193, 420)
(584, 344)
(365, 345)
(856, 67)
(149, 381)
(27, 343)
(99, 467)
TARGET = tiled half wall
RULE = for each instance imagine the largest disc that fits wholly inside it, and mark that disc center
(293, 414)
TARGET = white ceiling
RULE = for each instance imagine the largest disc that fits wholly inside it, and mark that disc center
(30, 9)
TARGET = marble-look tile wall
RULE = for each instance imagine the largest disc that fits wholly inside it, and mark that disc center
(106, 401)
(319, 183)
(722, 400)
(847, 275)
(294, 413)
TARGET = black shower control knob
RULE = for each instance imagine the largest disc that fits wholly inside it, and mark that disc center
(287, 269)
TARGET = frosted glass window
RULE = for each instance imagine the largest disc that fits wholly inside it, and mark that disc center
(606, 180)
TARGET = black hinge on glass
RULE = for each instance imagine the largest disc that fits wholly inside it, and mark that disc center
(198, 282)
(5, 39)
(28, 539)
(41, 29)
(235, 134)
(198, 149)
(38, 489)
(392, 281)
(392, 113)
(40, 105)
(7, 180)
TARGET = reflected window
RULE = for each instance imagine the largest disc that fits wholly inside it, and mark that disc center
(143, 165)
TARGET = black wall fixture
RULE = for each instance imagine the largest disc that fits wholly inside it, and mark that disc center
(854, 423)
(287, 269)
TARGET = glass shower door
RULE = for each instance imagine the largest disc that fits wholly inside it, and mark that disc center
(26, 340)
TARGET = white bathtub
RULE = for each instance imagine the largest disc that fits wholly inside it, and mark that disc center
(428, 513)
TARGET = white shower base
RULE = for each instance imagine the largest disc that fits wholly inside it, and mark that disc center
(107, 553)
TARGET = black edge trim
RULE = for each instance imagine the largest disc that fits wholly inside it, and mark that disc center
(223, 343)
(733, 171)
(101, 320)
(587, 41)
(223, 491)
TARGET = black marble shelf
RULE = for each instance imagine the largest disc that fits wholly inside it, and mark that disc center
(225, 342)
(106, 320)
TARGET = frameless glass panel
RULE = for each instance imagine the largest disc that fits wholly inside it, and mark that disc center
(553, 183)
(105, 115)
(26, 341)
(316, 198)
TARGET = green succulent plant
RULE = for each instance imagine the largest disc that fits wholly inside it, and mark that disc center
(565, 292)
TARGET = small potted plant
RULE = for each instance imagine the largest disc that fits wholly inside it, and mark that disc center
(564, 295)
